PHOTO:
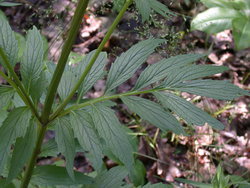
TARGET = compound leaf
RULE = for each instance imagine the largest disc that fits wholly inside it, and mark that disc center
(112, 178)
(65, 142)
(54, 175)
(86, 134)
(8, 41)
(154, 114)
(214, 20)
(22, 151)
(191, 72)
(32, 60)
(217, 89)
(126, 65)
(186, 110)
(111, 131)
(14, 126)
(160, 70)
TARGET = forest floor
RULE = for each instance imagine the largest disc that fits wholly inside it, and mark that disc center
(165, 156)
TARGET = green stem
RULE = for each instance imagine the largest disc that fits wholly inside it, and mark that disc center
(75, 25)
(103, 98)
(32, 161)
(92, 61)
(19, 86)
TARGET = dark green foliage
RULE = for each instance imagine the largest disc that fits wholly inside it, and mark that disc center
(222, 15)
(91, 126)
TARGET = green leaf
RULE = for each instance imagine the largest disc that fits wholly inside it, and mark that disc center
(17, 101)
(191, 72)
(240, 181)
(22, 151)
(186, 110)
(6, 94)
(160, 8)
(219, 179)
(144, 9)
(137, 174)
(160, 70)
(112, 178)
(114, 136)
(95, 73)
(2, 15)
(118, 4)
(9, 4)
(154, 114)
(4, 185)
(214, 20)
(194, 183)
(247, 6)
(126, 65)
(14, 126)
(157, 185)
(217, 89)
(21, 45)
(55, 175)
(86, 134)
(65, 142)
(3, 116)
(8, 41)
(39, 87)
(236, 4)
(49, 149)
(66, 85)
(32, 60)
(241, 32)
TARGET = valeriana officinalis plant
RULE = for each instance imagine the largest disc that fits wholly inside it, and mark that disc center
(45, 97)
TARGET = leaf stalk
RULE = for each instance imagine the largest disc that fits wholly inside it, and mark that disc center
(104, 98)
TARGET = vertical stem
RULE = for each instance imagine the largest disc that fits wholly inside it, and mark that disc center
(75, 25)
(92, 61)
(32, 161)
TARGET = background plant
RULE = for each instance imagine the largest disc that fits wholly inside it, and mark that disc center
(8, 4)
(29, 106)
(220, 180)
(222, 15)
